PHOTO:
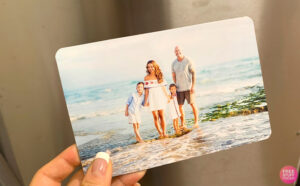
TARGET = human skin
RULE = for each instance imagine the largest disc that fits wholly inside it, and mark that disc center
(99, 173)
(158, 115)
(180, 57)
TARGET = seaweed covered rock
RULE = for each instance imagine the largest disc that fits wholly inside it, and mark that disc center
(250, 104)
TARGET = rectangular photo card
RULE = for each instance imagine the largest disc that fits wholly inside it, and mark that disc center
(162, 97)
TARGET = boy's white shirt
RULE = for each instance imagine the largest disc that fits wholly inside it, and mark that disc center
(136, 103)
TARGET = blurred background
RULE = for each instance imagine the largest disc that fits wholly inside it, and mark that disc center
(34, 122)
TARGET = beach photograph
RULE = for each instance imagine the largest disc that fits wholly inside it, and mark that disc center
(167, 96)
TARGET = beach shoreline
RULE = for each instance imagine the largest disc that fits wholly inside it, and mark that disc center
(200, 141)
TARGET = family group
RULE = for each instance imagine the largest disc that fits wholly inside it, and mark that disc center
(152, 93)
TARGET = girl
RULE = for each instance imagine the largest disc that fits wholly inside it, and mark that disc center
(174, 108)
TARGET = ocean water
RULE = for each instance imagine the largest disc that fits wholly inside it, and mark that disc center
(97, 113)
(213, 136)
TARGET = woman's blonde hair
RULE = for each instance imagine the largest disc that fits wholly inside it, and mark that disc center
(158, 73)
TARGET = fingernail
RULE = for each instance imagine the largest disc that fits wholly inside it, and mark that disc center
(100, 163)
(103, 155)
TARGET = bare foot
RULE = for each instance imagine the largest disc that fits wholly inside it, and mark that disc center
(139, 140)
(178, 132)
(161, 137)
(196, 125)
(183, 127)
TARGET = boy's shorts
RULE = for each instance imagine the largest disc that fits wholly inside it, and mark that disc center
(134, 118)
(185, 95)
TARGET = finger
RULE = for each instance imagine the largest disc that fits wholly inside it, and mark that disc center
(59, 168)
(128, 179)
(76, 179)
(100, 171)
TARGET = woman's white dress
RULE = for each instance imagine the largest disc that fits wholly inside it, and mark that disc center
(156, 97)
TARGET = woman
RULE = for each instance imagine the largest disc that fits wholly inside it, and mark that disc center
(156, 96)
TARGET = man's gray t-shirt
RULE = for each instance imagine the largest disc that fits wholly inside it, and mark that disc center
(183, 73)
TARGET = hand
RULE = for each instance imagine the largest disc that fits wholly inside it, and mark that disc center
(169, 99)
(126, 113)
(99, 173)
(192, 90)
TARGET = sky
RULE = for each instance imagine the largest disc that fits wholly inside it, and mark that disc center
(125, 58)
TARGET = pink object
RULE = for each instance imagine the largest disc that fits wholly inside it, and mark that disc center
(288, 174)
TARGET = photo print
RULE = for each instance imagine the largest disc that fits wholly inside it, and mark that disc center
(162, 97)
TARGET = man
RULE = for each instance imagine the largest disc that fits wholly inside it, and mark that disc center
(184, 77)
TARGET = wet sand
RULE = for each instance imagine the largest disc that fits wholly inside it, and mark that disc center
(211, 137)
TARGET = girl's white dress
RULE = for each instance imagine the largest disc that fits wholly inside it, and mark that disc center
(174, 108)
(157, 97)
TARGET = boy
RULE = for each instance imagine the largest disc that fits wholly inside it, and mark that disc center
(133, 107)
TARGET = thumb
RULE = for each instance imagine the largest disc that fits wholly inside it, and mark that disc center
(100, 171)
